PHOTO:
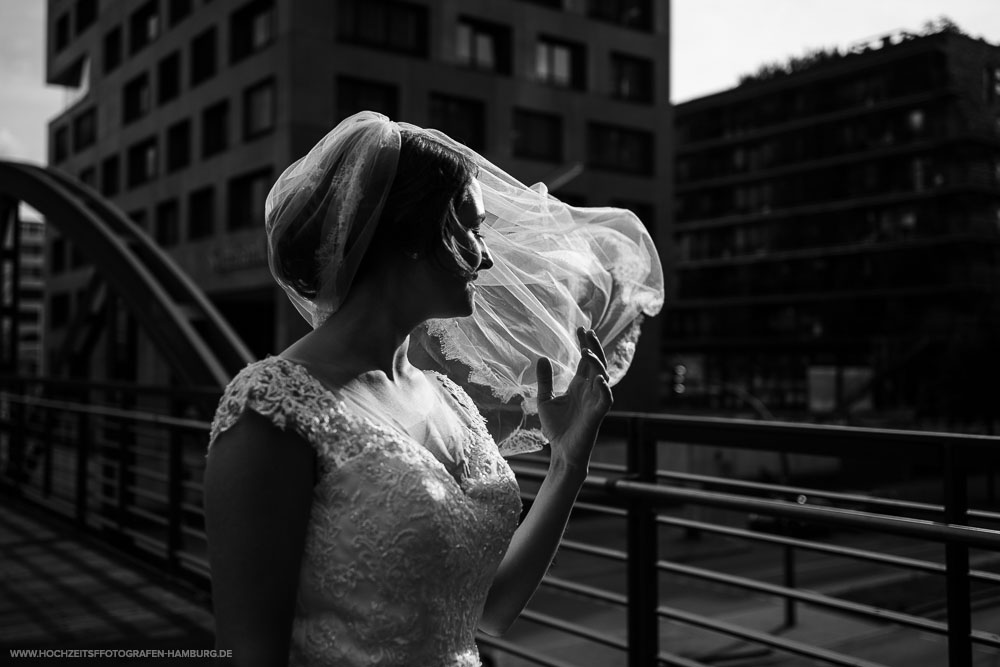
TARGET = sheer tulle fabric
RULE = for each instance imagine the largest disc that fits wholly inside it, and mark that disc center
(556, 268)
(333, 199)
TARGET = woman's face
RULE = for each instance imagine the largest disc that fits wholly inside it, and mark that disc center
(457, 284)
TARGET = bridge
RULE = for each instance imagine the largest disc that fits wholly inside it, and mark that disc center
(695, 542)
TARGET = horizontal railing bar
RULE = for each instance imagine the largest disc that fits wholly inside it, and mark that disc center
(576, 629)
(146, 543)
(134, 389)
(801, 438)
(520, 652)
(801, 491)
(192, 485)
(585, 591)
(984, 514)
(905, 526)
(821, 547)
(191, 508)
(590, 549)
(194, 563)
(103, 411)
(789, 645)
(905, 562)
(602, 509)
(148, 473)
(811, 597)
(671, 660)
(195, 533)
(154, 518)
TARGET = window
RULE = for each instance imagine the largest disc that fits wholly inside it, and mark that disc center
(178, 145)
(460, 118)
(620, 149)
(201, 213)
(86, 14)
(84, 129)
(136, 98)
(385, 24)
(110, 176)
(60, 144)
(560, 63)
(251, 28)
(258, 109)
(59, 310)
(112, 53)
(483, 45)
(537, 135)
(991, 84)
(88, 176)
(203, 59)
(632, 78)
(168, 79)
(354, 95)
(177, 11)
(143, 27)
(57, 255)
(62, 32)
(168, 221)
(142, 162)
(630, 13)
(246, 199)
(215, 129)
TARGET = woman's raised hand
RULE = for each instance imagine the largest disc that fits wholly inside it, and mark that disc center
(570, 421)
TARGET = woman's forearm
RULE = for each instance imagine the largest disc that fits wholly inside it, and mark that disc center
(532, 547)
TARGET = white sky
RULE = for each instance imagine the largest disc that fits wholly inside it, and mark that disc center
(713, 42)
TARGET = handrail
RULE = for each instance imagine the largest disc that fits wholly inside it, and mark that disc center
(137, 478)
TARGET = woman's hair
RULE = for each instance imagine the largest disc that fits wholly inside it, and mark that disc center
(419, 213)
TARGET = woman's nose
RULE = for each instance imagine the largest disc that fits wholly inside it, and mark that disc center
(485, 257)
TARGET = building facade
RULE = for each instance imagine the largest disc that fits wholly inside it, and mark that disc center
(837, 226)
(188, 110)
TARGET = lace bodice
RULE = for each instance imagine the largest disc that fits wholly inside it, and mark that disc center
(401, 547)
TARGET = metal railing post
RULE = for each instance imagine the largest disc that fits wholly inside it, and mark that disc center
(175, 472)
(791, 613)
(643, 584)
(956, 508)
(82, 464)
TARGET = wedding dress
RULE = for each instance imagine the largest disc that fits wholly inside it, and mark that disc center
(404, 535)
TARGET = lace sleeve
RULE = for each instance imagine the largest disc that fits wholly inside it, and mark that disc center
(273, 391)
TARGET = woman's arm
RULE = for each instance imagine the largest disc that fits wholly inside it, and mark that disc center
(258, 491)
(570, 422)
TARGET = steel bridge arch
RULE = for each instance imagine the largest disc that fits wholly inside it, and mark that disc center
(162, 298)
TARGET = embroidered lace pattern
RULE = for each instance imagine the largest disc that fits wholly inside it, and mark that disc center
(399, 553)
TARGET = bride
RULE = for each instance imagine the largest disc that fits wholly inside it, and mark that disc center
(359, 512)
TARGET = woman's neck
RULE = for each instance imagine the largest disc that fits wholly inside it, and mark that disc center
(369, 333)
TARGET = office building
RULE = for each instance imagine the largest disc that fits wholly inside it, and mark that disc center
(188, 110)
(837, 226)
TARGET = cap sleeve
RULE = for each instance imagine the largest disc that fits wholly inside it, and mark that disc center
(277, 391)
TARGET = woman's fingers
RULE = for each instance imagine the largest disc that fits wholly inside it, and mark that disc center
(592, 359)
(591, 351)
(543, 371)
(596, 347)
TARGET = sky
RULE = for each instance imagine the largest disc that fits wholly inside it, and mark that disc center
(713, 42)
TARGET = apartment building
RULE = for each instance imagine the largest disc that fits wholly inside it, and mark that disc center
(837, 227)
(187, 110)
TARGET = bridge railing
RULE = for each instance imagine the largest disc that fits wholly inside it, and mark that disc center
(126, 463)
